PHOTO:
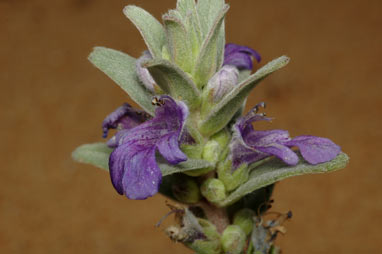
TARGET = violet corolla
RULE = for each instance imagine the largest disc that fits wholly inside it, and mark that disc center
(240, 56)
(133, 168)
(189, 141)
(249, 145)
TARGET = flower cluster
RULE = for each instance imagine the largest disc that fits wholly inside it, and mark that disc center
(133, 168)
(191, 141)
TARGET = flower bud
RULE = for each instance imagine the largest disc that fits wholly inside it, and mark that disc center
(205, 246)
(211, 151)
(210, 245)
(213, 190)
(244, 219)
(232, 179)
(186, 190)
(144, 75)
(223, 137)
(222, 82)
(192, 151)
(233, 240)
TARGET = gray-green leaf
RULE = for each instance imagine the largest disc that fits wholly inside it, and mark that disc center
(208, 10)
(96, 154)
(151, 30)
(210, 55)
(178, 41)
(173, 81)
(222, 112)
(275, 170)
(190, 164)
(121, 68)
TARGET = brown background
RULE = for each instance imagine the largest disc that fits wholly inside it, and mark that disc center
(52, 100)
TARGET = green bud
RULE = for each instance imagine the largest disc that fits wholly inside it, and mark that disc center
(211, 151)
(192, 151)
(205, 246)
(233, 239)
(223, 137)
(244, 219)
(212, 244)
(186, 190)
(195, 152)
(213, 190)
(209, 229)
(232, 180)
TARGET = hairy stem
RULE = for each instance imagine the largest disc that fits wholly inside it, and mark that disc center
(216, 215)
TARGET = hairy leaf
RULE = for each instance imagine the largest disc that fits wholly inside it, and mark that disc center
(275, 170)
(178, 41)
(190, 164)
(208, 10)
(96, 154)
(174, 81)
(121, 68)
(151, 30)
(211, 51)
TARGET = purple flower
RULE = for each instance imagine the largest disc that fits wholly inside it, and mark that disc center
(222, 82)
(240, 56)
(133, 168)
(249, 145)
(123, 118)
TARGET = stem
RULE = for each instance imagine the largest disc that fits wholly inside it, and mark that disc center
(216, 215)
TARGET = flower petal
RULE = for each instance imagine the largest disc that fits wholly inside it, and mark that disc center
(240, 56)
(265, 138)
(241, 153)
(125, 117)
(116, 168)
(315, 149)
(168, 147)
(280, 151)
(143, 176)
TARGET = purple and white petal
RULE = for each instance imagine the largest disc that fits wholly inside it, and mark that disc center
(315, 149)
(240, 56)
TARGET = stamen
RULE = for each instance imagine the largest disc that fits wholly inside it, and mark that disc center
(166, 215)
(157, 102)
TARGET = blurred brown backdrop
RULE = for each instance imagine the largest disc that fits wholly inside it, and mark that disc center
(52, 100)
